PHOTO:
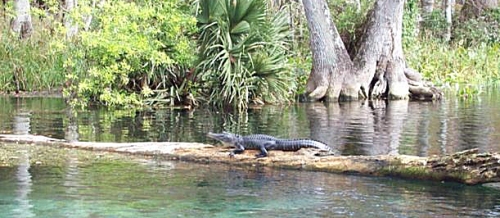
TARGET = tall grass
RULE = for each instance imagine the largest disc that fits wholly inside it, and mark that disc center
(29, 64)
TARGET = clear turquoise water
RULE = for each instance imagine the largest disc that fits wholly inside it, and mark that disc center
(150, 188)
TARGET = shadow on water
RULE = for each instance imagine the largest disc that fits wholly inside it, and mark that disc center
(362, 127)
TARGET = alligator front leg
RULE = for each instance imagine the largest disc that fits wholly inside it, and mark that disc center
(238, 150)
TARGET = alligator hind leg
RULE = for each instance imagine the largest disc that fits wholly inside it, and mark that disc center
(263, 150)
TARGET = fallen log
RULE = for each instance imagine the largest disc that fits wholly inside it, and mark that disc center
(468, 167)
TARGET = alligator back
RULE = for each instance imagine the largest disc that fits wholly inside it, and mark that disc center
(282, 144)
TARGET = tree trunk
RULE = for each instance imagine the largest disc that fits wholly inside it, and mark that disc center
(330, 58)
(448, 8)
(380, 61)
(21, 23)
(69, 23)
(4, 2)
(469, 167)
(427, 6)
(474, 8)
(379, 70)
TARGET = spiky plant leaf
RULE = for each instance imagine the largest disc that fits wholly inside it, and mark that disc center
(242, 54)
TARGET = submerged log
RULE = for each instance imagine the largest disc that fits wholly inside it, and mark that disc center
(469, 167)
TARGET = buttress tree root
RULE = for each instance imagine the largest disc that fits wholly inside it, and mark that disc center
(376, 69)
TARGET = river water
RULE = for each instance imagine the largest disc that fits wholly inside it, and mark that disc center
(130, 187)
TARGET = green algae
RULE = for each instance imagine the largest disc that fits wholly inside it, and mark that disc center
(12, 154)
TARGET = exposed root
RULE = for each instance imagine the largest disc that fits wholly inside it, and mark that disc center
(319, 92)
(419, 89)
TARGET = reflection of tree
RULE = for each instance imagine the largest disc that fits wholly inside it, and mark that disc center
(397, 112)
(280, 121)
(443, 120)
(413, 128)
(73, 183)
(475, 127)
(425, 129)
(21, 123)
(326, 124)
(71, 129)
(24, 184)
(368, 128)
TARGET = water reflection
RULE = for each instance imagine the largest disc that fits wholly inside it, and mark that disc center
(362, 127)
(21, 123)
(365, 127)
(24, 184)
(85, 185)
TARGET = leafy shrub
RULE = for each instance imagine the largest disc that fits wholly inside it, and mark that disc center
(469, 63)
(132, 50)
(243, 54)
(410, 22)
(349, 21)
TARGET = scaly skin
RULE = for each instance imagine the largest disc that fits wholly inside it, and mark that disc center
(264, 143)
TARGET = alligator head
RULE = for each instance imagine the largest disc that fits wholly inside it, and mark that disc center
(226, 138)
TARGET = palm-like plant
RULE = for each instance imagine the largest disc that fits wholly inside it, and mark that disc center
(243, 54)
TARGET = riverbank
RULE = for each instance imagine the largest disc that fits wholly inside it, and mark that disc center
(466, 167)
(34, 94)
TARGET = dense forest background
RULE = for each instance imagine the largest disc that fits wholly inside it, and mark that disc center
(222, 52)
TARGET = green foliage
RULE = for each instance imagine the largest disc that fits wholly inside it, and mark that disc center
(28, 65)
(131, 48)
(467, 70)
(302, 68)
(410, 22)
(243, 54)
(143, 52)
(349, 20)
(484, 30)
(469, 63)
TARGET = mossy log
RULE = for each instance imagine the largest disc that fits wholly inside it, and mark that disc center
(469, 167)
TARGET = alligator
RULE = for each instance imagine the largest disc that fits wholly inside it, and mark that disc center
(264, 143)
